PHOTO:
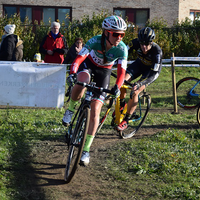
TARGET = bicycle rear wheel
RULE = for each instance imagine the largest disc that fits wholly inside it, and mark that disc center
(198, 115)
(138, 118)
(185, 98)
(76, 144)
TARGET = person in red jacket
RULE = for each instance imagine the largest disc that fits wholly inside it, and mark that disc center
(54, 45)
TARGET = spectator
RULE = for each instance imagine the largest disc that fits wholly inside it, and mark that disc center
(8, 43)
(73, 51)
(19, 50)
(54, 45)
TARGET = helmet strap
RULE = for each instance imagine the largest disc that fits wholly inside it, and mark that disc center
(107, 38)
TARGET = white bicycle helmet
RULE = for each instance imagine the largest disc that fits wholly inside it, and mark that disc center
(115, 23)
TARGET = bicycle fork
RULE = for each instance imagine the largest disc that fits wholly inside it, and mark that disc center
(118, 115)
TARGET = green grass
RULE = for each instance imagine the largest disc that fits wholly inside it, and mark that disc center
(169, 160)
(167, 164)
(163, 166)
(20, 131)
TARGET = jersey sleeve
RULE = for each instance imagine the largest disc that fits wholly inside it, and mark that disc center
(79, 59)
(122, 65)
(157, 59)
(121, 71)
(150, 79)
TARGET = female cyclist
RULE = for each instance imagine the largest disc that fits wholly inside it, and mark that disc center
(97, 57)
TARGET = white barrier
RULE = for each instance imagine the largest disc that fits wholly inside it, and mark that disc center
(30, 84)
(197, 59)
(194, 59)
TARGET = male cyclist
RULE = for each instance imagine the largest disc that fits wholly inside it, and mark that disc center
(147, 65)
(97, 57)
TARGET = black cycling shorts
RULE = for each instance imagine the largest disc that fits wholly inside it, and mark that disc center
(137, 69)
(101, 76)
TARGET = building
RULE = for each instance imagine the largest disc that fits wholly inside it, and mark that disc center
(137, 11)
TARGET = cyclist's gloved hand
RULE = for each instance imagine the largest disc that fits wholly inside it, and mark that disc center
(71, 79)
(115, 91)
(135, 87)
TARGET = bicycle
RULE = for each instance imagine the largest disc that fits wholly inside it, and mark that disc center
(78, 128)
(188, 91)
(138, 117)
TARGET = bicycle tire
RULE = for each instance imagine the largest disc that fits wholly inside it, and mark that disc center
(135, 125)
(76, 146)
(198, 115)
(184, 99)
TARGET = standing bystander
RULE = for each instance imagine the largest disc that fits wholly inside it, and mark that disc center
(73, 51)
(8, 43)
(54, 45)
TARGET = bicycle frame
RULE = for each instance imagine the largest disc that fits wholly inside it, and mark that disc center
(120, 116)
(188, 92)
(191, 91)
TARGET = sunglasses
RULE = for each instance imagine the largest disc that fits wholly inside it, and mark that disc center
(145, 43)
(116, 35)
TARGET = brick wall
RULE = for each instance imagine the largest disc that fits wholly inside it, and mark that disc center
(185, 7)
(169, 10)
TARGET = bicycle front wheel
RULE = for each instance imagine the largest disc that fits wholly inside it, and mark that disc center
(188, 90)
(76, 145)
(198, 115)
(138, 118)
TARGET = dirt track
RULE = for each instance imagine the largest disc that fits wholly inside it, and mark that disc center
(89, 182)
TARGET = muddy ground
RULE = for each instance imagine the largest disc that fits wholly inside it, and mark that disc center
(92, 182)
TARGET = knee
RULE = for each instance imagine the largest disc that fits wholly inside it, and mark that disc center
(83, 77)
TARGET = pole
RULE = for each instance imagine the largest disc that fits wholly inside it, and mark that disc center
(174, 84)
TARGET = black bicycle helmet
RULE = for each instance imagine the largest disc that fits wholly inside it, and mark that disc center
(146, 35)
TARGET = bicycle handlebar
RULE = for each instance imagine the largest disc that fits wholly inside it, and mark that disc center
(93, 87)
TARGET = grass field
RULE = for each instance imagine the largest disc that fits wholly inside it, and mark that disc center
(163, 166)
